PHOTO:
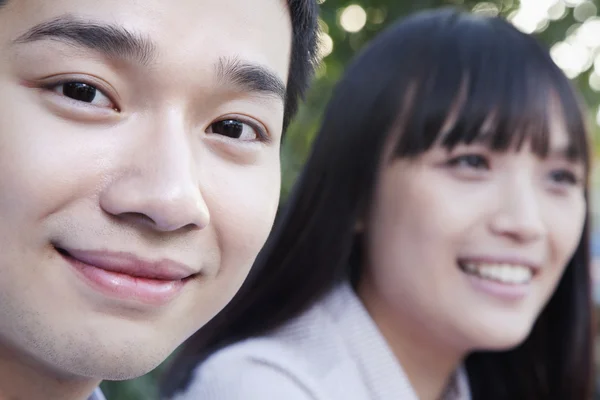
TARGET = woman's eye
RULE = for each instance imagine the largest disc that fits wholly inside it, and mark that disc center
(473, 161)
(564, 177)
(83, 92)
(235, 129)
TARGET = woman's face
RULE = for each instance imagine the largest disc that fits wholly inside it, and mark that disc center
(466, 247)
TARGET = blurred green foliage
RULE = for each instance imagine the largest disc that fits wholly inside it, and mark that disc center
(380, 13)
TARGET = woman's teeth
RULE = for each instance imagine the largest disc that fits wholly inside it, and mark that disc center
(504, 273)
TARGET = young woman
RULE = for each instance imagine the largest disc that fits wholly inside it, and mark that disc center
(436, 245)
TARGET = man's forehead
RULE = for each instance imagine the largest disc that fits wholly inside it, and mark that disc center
(193, 31)
(118, 43)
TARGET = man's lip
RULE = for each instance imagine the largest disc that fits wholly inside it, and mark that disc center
(129, 264)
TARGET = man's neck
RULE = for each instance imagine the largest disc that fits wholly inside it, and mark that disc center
(24, 379)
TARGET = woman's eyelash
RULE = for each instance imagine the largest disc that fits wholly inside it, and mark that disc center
(475, 161)
(564, 176)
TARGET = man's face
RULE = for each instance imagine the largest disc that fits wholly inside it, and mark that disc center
(139, 172)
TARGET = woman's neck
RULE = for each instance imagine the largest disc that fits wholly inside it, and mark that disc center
(428, 363)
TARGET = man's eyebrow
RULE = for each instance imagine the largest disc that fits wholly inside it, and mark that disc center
(249, 77)
(111, 40)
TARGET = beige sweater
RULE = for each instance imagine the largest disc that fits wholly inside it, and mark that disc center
(333, 351)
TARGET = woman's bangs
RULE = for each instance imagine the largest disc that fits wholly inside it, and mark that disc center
(480, 93)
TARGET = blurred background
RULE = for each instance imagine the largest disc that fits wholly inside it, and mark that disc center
(570, 28)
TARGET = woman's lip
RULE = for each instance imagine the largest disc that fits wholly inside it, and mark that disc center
(503, 291)
(155, 292)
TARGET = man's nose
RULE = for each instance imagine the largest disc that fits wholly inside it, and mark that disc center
(159, 187)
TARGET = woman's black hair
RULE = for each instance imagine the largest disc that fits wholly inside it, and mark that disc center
(405, 86)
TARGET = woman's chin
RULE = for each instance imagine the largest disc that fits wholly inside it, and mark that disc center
(500, 337)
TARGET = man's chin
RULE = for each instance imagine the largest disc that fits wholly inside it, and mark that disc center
(121, 372)
(116, 366)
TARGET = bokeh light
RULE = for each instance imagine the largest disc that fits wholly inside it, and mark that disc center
(573, 3)
(584, 11)
(325, 45)
(557, 11)
(571, 57)
(353, 18)
(594, 81)
(575, 54)
(486, 9)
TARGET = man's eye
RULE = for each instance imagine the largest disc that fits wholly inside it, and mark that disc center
(84, 93)
(235, 129)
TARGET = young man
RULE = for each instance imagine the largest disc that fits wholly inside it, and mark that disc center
(139, 175)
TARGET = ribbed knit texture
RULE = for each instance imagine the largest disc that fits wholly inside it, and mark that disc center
(333, 351)
(97, 395)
